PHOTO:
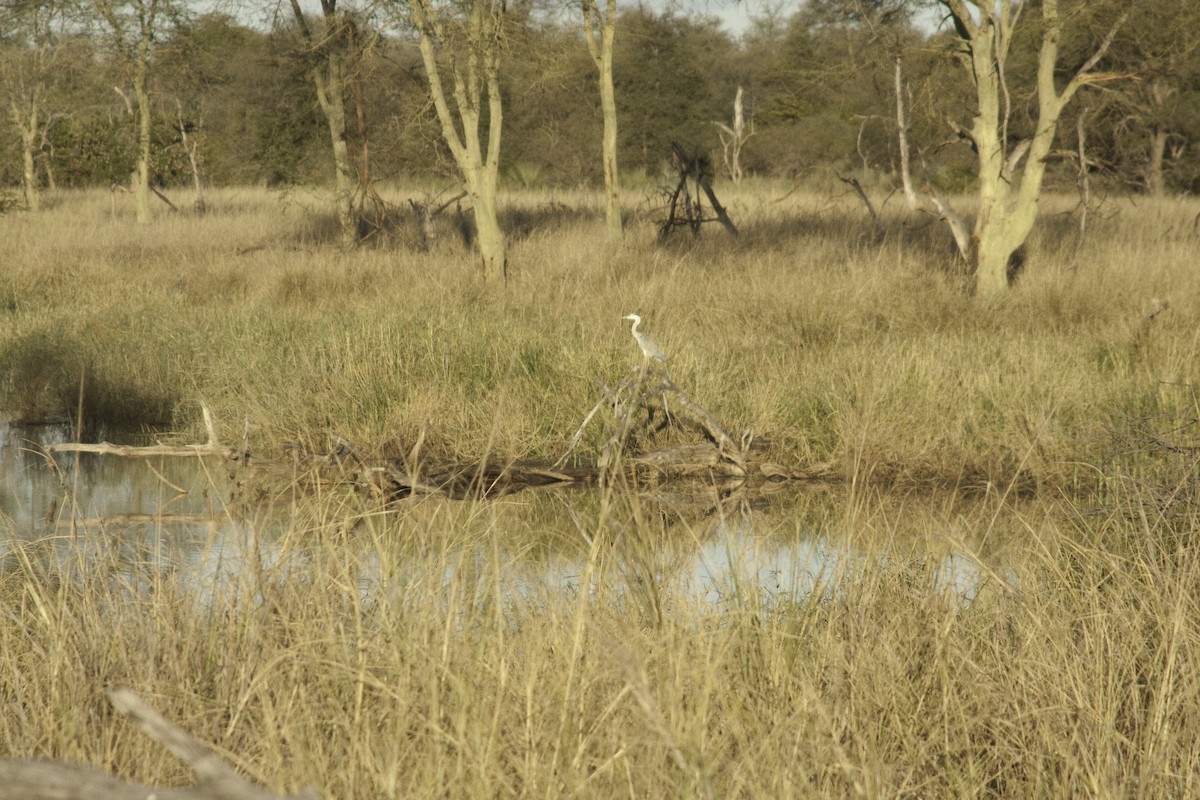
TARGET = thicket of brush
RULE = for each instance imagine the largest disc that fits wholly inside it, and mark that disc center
(389, 652)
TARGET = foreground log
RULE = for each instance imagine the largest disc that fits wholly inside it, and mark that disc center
(144, 451)
(215, 780)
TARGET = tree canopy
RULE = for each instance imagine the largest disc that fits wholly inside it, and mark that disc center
(818, 94)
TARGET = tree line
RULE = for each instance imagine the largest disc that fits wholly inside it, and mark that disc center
(943, 95)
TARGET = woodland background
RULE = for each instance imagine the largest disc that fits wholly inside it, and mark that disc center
(817, 81)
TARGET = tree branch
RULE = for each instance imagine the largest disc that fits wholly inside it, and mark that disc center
(51, 780)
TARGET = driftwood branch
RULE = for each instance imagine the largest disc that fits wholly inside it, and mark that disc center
(144, 451)
(165, 199)
(53, 780)
(607, 398)
(722, 214)
(212, 447)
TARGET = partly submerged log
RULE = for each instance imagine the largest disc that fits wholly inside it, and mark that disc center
(679, 464)
(145, 451)
(485, 479)
(644, 404)
(212, 447)
(55, 780)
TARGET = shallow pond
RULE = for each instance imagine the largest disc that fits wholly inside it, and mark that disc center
(173, 514)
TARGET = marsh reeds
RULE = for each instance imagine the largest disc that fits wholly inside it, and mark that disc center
(865, 355)
(514, 648)
(530, 647)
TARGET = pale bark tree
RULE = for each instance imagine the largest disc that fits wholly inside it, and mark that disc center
(189, 147)
(133, 25)
(906, 181)
(733, 137)
(464, 42)
(331, 45)
(600, 30)
(1009, 194)
(1158, 93)
(26, 94)
(31, 66)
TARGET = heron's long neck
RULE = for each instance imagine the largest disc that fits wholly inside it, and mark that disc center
(636, 322)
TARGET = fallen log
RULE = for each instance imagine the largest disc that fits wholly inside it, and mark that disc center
(212, 447)
(485, 479)
(145, 451)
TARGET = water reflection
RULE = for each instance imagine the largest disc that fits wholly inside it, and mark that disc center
(735, 561)
(167, 515)
(38, 491)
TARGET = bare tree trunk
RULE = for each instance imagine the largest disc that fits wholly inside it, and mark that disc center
(329, 78)
(141, 188)
(47, 154)
(734, 138)
(602, 55)
(910, 194)
(475, 73)
(492, 253)
(1084, 184)
(489, 238)
(1159, 91)
(331, 95)
(739, 135)
(189, 147)
(26, 121)
(29, 178)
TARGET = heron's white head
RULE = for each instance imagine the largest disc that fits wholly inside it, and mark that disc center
(633, 317)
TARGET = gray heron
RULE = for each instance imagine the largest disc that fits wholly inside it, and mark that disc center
(650, 350)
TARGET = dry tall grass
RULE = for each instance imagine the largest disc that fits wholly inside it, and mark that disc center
(390, 652)
(802, 330)
(484, 650)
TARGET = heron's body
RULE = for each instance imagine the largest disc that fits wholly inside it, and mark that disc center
(650, 350)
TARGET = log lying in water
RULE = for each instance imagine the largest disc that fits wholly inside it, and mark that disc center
(55, 780)
(486, 479)
(681, 463)
(647, 394)
(212, 447)
(145, 451)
